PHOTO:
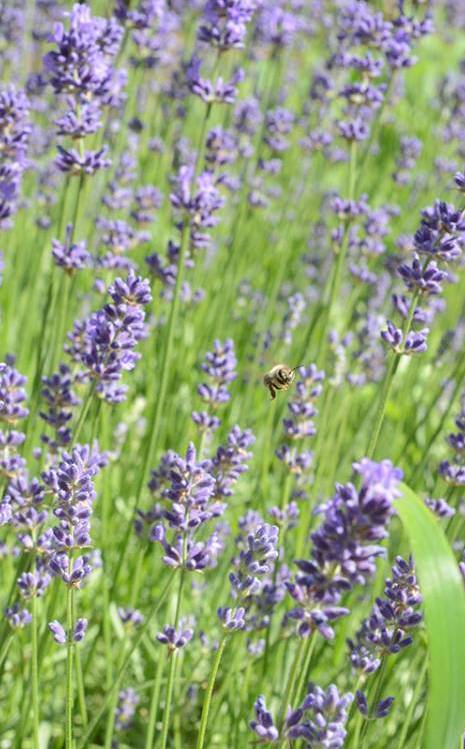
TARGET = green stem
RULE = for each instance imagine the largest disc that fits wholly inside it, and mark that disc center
(154, 703)
(80, 689)
(291, 680)
(309, 649)
(173, 662)
(85, 741)
(267, 444)
(35, 675)
(209, 693)
(69, 668)
(376, 689)
(337, 274)
(380, 412)
(389, 379)
(84, 412)
(413, 703)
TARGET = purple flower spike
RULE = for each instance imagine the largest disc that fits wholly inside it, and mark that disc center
(70, 256)
(58, 632)
(175, 639)
(12, 395)
(232, 620)
(348, 541)
(17, 617)
(263, 724)
(80, 630)
(128, 700)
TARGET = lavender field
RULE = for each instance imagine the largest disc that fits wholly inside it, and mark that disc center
(232, 374)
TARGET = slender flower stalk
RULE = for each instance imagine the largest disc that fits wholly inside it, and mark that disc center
(35, 675)
(172, 668)
(69, 666)
(209, 693)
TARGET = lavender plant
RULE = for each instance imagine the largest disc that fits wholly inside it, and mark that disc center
(191, 194)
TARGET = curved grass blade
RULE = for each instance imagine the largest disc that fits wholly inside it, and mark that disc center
(444, 605)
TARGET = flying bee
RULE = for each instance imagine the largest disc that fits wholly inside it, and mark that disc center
(280, 377)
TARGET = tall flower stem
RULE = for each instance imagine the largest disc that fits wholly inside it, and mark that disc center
(389, 379)
(172, 668)
(69, 668)
(166, 362)
(35, 675)
(376, 692)
(309, 649)
(291, 682)
(335, 278)
(84, 743)
(154, 704)
(209, 693)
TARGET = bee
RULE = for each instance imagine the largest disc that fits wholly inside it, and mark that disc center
(280, 377)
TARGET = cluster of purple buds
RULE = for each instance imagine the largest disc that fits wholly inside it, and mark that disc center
(128, 700)
(57, 392)
(104, 343)
(436, 243)
(380, 710)
(24, 500)
(12, 395)
(190, 504)
(69, 255)
(12, 410)
(175, 639)
(80, 70)
(130, 617)
(34, 584)
(220, 367)
(17, 617)
(320, 721)
(12, 464)
(453, 472)
(296, 306)
(231, 461)
(224, 23)
(59, 633)
(440, 507)
(212, 92)
(196, 201)
(146, 200)
(250, 577)
(388, 628)
(299, 424)
(15, 130)
(410, 150)
(345, 547)
(70, 483)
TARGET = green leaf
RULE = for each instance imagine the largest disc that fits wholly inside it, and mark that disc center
(444, 606)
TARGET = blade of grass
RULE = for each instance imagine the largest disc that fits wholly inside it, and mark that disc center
(444, 603)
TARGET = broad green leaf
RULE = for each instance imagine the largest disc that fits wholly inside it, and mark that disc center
(444, 606)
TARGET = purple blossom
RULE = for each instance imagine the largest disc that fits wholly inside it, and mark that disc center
(175, 639)
(33, 584)
(190, 503)
(57, 391)
(230, 460)
(12, 395)
(387, 630)
(17, 617)
(220, 367)
(104, 343)
(219, 92)
(70, 256)
(75, 164)
(263, 725)
(345, 547)
(128, 700)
